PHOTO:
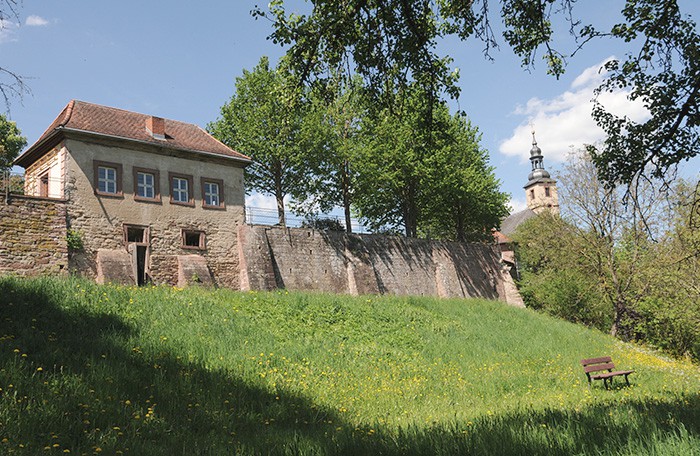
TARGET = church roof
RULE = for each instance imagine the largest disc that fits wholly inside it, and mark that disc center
(511, 223)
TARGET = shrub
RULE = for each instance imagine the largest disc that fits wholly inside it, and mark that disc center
(567, 294)
(75, 240)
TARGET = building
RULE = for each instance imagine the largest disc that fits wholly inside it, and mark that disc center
(540, 193)
(150, 199)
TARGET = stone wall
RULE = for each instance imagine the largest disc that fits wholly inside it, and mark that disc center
(305, 259)
(33, 236)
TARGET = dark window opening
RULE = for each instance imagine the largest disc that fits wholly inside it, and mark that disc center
(546, 192)
(193, 239)
(135, 234)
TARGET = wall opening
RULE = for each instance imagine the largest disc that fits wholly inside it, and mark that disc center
(192, 239)
(136, 239)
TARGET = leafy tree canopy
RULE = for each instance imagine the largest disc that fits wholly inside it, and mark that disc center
(11, 142)
(393, 43)
(265, 120)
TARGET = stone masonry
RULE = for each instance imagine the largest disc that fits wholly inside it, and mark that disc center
(334, 262)
(33, 236)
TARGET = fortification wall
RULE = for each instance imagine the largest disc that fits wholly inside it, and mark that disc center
(33, 236)
(306, 259)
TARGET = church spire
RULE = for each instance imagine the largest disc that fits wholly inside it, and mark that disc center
(541, 189)
(536, 158)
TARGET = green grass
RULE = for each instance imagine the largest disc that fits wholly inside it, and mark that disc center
(88, 369)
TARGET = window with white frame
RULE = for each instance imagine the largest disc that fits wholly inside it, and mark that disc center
(180, 190)
(145, 185)
(107, 179)
(211, 194)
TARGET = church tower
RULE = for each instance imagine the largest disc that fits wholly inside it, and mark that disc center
(541, 189)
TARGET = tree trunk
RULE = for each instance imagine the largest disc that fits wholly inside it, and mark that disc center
(279, 196)
(346, 196)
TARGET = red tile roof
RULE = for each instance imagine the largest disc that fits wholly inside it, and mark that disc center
(104, 120)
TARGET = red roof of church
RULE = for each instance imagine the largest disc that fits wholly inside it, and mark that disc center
(80, 116)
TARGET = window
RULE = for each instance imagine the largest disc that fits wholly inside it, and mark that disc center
(146, 185)
(108, 178)
(546, 192)
(135, 234)
(181, 189)
(193, 239)
(532, 194)
(212, 193)
(44, 185)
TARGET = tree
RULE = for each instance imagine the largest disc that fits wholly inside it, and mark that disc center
(462, 199)
(11, 143)
(11, 84)
(605, 238)
(265, 119)
(396, 143)
(333, 126)
(393, 44)
(426, 177)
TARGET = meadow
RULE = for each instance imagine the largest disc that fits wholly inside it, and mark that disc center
(90, 369)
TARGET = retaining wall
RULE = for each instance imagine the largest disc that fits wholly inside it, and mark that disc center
(306, 259)
(33, 236)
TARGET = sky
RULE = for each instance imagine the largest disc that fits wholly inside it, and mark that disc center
(180, 60)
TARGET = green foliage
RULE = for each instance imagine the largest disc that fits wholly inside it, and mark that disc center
(11, 142)
(604, 267)
(172, 371)
(74, 240)
(568, 294)
(322, 223)
(670, 323)
(393, 45)
(333, 127)
(428, 178)
(462, 199)
(664, 75)
(265, 119)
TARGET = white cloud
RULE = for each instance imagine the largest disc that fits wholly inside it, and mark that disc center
(35, 21)
(517, 204)
(7, 31)
(565, 121)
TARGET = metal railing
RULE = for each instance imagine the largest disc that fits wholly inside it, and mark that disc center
(267, 216)
(11, 183)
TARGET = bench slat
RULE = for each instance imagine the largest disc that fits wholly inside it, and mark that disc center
(598, 367)
(604, 359)
(610, 374)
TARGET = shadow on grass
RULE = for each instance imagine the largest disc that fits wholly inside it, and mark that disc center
(82, 387)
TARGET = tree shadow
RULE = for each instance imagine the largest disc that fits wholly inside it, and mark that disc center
(82, 386)
(76, 384)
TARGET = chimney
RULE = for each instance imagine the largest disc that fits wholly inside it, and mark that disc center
(156, 127)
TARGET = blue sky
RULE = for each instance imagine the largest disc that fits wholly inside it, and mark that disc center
(179, 60)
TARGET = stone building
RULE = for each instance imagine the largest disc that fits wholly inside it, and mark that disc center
(150, 199)
(540, 193)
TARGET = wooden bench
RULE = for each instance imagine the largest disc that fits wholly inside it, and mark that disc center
(606, 370)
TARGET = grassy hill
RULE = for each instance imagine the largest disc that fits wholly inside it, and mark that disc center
(88, 369)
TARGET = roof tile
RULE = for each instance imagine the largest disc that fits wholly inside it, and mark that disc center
(93, 118)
